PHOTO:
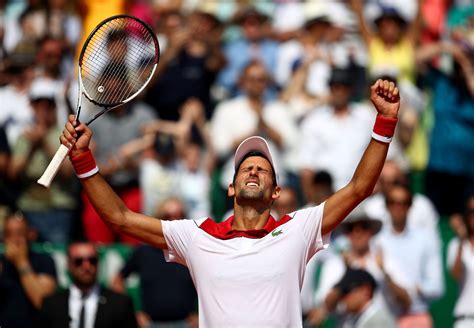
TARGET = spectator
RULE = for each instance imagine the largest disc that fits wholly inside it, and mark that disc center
(323, 146)
(197, 160)
(360, 230)
(422, 213)
(255, 117)
(391, 45)
(416, 252)
(15, 109)
(461, 264)
(168, 295)
(189, 64)
(252, 46)
(53, 66)
(181, 163)
(85, 303)
(357, 288)
(26, 277)
(321, 188)
(159, 170)
(310, 49)
(449, 182)
(50, 211)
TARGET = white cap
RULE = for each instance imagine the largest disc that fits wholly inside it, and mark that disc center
(42, 89)
(253, 144)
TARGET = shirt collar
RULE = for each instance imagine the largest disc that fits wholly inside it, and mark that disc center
(224, 229)
(77, 293)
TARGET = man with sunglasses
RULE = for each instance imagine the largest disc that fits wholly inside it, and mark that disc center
(86, 304)
(417, 252)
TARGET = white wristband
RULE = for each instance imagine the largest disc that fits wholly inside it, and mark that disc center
(88, 174)
(380, 138)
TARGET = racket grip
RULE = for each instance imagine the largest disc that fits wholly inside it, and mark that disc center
(53, 167)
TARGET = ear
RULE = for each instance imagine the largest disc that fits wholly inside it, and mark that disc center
(276, 193)
(231, 190)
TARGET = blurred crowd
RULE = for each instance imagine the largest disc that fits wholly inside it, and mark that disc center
(295, 72)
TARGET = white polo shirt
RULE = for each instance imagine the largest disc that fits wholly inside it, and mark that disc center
(247, 278)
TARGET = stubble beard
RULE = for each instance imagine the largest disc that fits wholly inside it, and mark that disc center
(251, 194)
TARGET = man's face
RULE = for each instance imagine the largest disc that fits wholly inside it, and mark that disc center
(359, 236)
(82, 264)
(254, 181)
(50, 54)
(340, 94)
(16, 231)
(255, 81)
(252, 29)
(355, 299)
(45, 112)
(398, 204)
(390, 175)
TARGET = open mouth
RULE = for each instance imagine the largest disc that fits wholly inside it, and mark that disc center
(251, 184)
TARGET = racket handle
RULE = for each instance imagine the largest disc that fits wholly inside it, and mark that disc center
(53, 167)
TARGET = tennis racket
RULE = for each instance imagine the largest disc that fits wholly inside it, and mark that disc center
(116, 63)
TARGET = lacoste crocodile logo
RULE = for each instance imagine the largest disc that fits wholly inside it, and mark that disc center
(276, 233)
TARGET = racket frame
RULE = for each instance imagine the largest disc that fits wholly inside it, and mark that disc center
(62, 152)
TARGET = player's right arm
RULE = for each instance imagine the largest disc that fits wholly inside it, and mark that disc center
(106, 202)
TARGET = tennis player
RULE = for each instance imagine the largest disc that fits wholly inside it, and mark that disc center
(248, 270)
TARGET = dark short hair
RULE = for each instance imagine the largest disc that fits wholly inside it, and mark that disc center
(354, 278)
(323, 177)
(255, 153)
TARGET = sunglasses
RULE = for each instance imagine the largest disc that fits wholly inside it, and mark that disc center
(78, 261)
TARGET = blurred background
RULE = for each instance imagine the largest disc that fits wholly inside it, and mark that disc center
(295, 72)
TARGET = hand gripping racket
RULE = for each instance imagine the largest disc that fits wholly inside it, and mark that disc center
(116, 63)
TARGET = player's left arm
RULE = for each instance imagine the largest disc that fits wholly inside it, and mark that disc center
(386, 99)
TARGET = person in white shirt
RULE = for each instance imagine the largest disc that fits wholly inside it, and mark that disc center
(417, 252)
(461, 264)
(421, 214)
(360, 229)
(249, 269)
(334, 136)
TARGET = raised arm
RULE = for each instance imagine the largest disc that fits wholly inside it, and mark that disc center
(358, 8)
(386, 99)
(106, 202)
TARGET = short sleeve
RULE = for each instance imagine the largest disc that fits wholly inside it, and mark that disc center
(311, 220)
(179, 235)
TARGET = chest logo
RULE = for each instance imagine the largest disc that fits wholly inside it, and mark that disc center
(276, 233)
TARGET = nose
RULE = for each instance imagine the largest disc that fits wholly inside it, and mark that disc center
(253, 171)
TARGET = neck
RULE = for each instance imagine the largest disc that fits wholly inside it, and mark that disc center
(256, 101)
(341, 110)
(398, 228)
(361, 252)
(248, 218)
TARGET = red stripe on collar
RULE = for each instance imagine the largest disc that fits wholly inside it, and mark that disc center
(224, 230)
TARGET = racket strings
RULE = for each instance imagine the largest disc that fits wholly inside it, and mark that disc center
(113, 71)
